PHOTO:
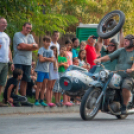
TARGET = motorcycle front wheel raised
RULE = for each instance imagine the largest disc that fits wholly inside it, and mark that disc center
(88, 109)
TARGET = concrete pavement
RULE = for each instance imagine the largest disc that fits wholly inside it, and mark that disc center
(35, 109)
(65, 124)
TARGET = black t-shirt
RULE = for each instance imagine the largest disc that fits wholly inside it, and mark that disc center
(9, 82)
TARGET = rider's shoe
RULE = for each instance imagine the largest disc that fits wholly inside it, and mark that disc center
(123, 110)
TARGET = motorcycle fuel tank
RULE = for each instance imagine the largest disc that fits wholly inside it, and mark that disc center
(75, 80)
(115, 81)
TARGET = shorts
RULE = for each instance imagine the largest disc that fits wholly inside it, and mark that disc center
(3, 73)
(57, 88)
(26, 71)
(128, 83)
(41, 76)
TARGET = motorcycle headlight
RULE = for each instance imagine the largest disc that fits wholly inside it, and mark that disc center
(104, 74)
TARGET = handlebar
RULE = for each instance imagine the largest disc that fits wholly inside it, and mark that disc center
(99, 64)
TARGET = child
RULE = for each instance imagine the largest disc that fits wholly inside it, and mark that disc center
(82, 60)
(76, 48)
(45, 57)
(11, 88)
(82, 45)
(76, 61)
(62, 63)
(53, 77)
(68, 45)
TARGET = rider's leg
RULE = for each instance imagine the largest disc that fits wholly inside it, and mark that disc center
(126, 94)
(127, 86)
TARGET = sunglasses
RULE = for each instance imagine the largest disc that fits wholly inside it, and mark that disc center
(111, 45)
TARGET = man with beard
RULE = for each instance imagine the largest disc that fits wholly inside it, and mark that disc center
(125, 61)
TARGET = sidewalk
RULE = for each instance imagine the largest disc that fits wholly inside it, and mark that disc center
(36, 110)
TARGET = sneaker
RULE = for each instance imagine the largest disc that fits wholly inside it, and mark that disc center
(27, 104)
(43, 104)
(37, 103)
(16, 104)
(51, 105)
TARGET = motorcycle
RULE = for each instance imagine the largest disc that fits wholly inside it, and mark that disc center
(104, 94)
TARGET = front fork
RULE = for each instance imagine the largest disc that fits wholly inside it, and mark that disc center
(103, 93)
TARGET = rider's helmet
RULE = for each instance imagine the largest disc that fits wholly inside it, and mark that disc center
(131, 38)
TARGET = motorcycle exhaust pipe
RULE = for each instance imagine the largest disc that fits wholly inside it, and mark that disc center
(131, 111)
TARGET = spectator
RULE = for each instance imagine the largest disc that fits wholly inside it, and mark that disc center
(98, 49)
(76, 61)
(23, 45)
(90, 51)
(5, 54)
(82, 60)
(110, 65)
(31, 86)
(45, 57)
(82, 45)
(75, 49)
(53, 73)
(63, 64)
(68, 45)
(11, 85)
(55, 38)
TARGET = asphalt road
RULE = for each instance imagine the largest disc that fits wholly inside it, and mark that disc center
(65, 124)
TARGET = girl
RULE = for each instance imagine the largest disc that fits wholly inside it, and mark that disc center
(82, 60)
(68, 45)
(82, 45)
(63, 64)
(53, 74)
(69, 55)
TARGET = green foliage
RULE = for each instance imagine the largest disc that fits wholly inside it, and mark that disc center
(61, 14)
(17, 12)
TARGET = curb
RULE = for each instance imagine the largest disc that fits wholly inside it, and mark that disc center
(36, 110)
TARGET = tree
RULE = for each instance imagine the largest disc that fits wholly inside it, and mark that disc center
(38, 12)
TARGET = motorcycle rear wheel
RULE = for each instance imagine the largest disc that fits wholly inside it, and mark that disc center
(88, 110)
(121, 117)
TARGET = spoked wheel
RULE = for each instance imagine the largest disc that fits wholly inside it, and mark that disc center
(111, 24)
(88, 109)
(121, 116)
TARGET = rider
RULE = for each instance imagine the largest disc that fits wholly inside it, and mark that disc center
(125, 61)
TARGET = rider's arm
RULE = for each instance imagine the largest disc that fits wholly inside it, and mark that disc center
(105, 58)
(121, 39)
(131, 69)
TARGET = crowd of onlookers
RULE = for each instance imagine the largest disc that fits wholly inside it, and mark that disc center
(41, 77)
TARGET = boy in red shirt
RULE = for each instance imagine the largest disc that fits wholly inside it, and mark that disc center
(90, 51)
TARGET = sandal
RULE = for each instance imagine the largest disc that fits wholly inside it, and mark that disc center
(67, 104)
(51, 105)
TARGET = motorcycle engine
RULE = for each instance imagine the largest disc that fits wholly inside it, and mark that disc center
(110, 93)
(115, 106)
